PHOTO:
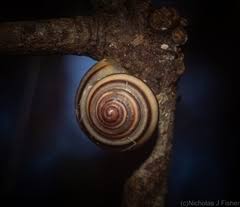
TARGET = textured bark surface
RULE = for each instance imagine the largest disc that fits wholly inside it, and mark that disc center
(148, 184)
(144, 40)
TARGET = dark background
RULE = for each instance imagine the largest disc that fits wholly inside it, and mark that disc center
(45, 158)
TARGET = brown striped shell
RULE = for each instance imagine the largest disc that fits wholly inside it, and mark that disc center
(116, 110)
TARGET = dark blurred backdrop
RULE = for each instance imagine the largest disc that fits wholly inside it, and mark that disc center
(45, 158)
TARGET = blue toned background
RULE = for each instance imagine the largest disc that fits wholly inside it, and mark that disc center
(45, 157)
(45, 154)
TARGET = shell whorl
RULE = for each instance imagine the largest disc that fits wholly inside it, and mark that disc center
(116, 109)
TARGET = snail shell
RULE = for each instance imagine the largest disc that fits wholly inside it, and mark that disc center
(115, 109)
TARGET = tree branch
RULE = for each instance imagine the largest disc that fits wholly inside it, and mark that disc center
(148, 184)
(146, 42)
(66, 35)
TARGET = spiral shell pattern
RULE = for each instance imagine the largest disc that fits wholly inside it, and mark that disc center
(116, 109)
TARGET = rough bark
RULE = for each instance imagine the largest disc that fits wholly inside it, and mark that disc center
(145, 41)
(148, 184)
(62, 36)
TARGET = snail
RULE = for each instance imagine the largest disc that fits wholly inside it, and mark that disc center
(116, 110)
